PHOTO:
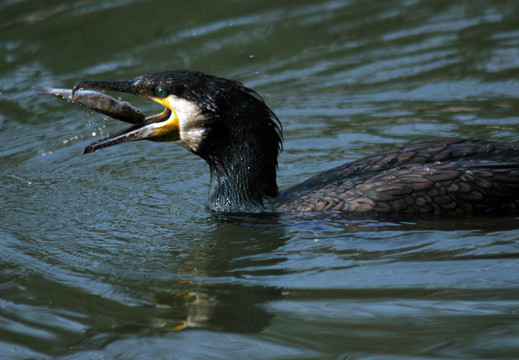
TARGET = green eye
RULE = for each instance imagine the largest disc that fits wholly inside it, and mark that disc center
(160, 92)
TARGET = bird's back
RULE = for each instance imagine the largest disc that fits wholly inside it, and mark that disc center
(439, 176)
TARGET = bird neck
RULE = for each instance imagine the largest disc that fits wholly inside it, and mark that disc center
(241, 144)
(242, 180)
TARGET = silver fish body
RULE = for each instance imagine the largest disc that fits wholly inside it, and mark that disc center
(99, 102)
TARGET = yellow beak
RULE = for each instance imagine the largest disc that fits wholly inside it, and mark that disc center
(169, 128)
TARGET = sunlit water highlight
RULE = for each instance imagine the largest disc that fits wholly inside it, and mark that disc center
(113, 255)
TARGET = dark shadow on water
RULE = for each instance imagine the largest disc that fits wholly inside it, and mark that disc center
(215, 284)
(214, 294)
(502, 219)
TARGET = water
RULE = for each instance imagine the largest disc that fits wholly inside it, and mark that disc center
(113, 255)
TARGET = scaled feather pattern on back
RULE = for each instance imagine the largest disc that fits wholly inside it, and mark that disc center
(438, 176)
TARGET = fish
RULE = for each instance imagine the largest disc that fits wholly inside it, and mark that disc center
(97, 101)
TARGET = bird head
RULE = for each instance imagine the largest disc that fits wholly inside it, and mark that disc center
(204, 113)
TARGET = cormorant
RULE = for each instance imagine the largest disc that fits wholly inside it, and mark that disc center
(235, 132)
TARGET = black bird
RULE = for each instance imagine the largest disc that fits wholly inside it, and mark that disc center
(233, 130)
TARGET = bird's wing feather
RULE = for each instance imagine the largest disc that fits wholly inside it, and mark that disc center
(429, 177)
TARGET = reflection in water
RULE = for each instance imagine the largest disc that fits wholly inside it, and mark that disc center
(115, 256)
(216, 299)
(215, 293)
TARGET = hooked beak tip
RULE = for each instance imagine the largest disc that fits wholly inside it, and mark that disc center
(89, 149)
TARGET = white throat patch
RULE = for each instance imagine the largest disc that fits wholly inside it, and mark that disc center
(191, 122)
